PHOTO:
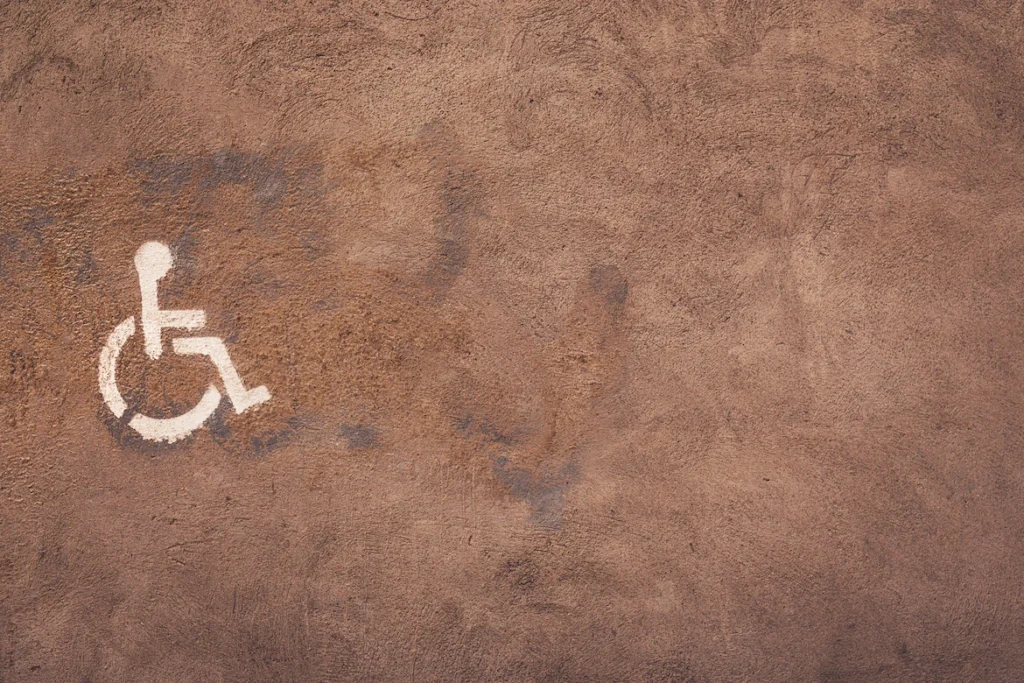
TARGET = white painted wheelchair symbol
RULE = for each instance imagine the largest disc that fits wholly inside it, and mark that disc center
(153, 261)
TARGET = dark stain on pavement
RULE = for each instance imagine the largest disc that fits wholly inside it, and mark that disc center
(544, 491)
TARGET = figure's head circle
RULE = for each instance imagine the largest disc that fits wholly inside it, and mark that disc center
(153, 258)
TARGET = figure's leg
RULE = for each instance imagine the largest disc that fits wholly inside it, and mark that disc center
(241, 398)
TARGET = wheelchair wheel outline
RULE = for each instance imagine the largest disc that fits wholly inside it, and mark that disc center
(169, 429)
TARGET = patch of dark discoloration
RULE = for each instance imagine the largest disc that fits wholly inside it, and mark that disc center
(472, 426)
(223, 323)
(23, 244)
(23, 373)
(608, 282)
(326, 305)
(21, 77)
(266, 177)
(164, 177)
(543, 491)
(286, 190)
(21, 369)
(181, 178)
(84, 267)
(171, 178)
(460, 205)
(261, 279)
(250, 436)
(315, 243)
(37, 222)
(676, 670)
(522, 574)
(360, 435)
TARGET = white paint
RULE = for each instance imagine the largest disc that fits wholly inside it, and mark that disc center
(153, 261)
(214, 347)
(108, 366)
(173, 428)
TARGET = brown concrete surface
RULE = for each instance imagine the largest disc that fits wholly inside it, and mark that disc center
(607, 341)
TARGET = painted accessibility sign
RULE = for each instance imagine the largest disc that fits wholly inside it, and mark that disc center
(153, 261)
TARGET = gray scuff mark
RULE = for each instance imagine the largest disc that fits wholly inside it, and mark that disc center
(315, 243)
(9, 254)
(472, 426)
(164, 177)
(608, 282)
(543, 491)
(187, 181)
(360, 436)
(189, 178)
(461, 205)
(37, 221)
(85, 267)
(170, 177)
(255, 444)
(261, 279)
(22, 245)
(327, 304)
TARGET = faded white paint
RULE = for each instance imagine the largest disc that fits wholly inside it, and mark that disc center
(213, 347)
(153, 261)
(108, 366)
(173, 428)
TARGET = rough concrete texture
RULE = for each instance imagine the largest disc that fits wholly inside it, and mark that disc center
(608, 341)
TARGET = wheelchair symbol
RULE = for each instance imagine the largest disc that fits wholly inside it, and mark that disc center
(153, 261)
